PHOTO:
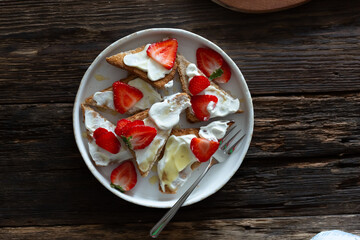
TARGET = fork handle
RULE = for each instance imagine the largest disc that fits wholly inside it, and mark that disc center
(156, 230)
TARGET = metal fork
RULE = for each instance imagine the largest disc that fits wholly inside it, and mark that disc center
(220, 155)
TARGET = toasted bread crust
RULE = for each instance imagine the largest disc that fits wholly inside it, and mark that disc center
(118, 61)
(184, 79)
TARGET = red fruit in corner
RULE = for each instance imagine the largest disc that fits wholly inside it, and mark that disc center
(124, 177)
(203, 149)
(226, 75)
(107, 140)
(139, 136)
(164, 52)
(213, 65)
(208, 61)
(198, 84)
(199, 104)
(125, 96)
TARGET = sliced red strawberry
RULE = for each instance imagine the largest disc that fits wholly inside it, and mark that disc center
(164, 52)
(226, 75)
(203, 149)
(139, 136)
(107, 140)
(123, 125)
(120, 126)
(198, 84)
(199, 105)
(213, 65)
(99, 131)
(124, 177)
(125, 96)
(208, 60)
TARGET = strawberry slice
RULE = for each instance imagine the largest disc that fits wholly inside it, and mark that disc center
(213, 65)
(123, 125)
(164, 52)
(199, 105)
(198, 84)
(120, 126)
(226, 75)
(208, 60)
(124, 177)
(203, 149)
(139, 136)
(99, 131)
(125, 96)
(107, 140)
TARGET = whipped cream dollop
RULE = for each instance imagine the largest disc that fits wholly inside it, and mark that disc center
(146, 156)
(150, 96)
(192, 71)
(105, 98)
(142, 61)
(226, 103)
(101, 157)
(166, 114)
(215, 130)
(174, 168)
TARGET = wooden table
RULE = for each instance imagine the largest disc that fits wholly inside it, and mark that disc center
(300, 176)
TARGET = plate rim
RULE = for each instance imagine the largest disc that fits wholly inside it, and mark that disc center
(77, 110)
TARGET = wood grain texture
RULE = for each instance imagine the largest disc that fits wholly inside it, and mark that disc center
(300, 176)
(295, 228)
(289, 149)
(307, 49)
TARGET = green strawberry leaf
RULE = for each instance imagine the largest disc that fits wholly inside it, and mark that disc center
(127, 141)
(117, 187)
(217, 73)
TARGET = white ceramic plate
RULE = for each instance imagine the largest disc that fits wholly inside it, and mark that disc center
(100, 75)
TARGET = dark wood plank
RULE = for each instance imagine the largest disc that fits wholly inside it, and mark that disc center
(294, 228)
(47, 48)
(306, 126)
(44, 180)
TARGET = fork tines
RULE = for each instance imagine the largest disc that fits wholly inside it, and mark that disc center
(225, 143)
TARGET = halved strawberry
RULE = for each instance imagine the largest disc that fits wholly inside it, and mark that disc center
(139, 136)
(120, 126)
(208, 60)
(99, 131)
(107, 140)
(213, 65)
(123, 125)
(199, 104)
(125, 96)
(203, 149)
(198, 84)
(226, 75)
(124, 177)
(164, 52)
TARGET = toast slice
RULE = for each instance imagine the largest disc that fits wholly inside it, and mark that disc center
(104, 99)
(118, 61)
(224, 97)
(166, 166)
(146, 158)
(101, 157)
